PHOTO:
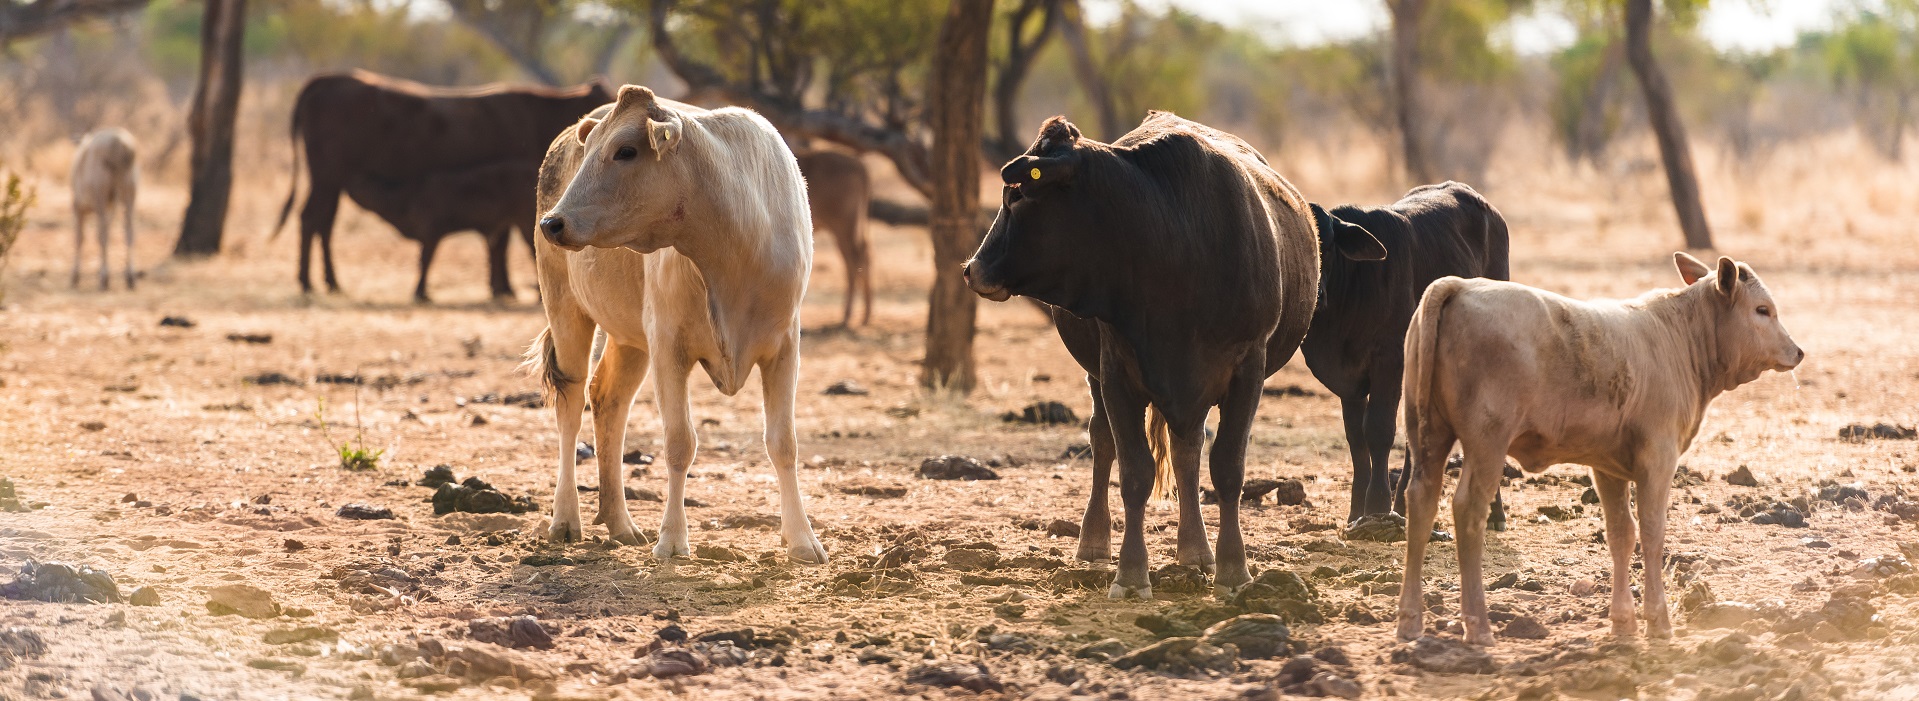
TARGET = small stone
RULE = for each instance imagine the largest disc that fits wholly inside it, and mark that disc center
(1524, 628)
(1257, 635)
(1332, 685)
(273, 665)
(245, 600)
(286, 636)
(1180, 656)
(1045, 413)
(969, 559)
(178, 322)
(845, 388)
(1742, 477)
(970, 676)
(144, 596)
(1103, 650)
(1061, 528)
(1445, 656)
(511, 632)
(364, 512)
(635, 457)
(1583, 587)
(955, 467)
(414, 670)
(61, 583)
(1380, 528)
(293, 546)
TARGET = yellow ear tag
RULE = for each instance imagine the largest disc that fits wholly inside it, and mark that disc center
(1035, 173)
(663, 134)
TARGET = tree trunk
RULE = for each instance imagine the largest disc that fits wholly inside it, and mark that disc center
(956, 101)
(1664, 115)
(1073, 28)
(1589, 133)
(1407, 16)
(210, 124)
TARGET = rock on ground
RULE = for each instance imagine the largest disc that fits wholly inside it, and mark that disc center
(1181, 656)
(955, 467)
(511, 632)
(1257, 635)
(965, 675)
(245, 600)
(1742, 477)
(1379, 528)
(62, 583)
(1445, 656)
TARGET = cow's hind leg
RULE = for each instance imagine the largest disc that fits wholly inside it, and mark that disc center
(1382, 413)
(1228, 463)
(669, 384)
(79, 243)
(127, 222)
(615, 380)
(1096, 526)
(570, 338)
(1472, 498)
(316, 221)
(779, 383)
(1617, 505)
(104, 219)
(1424, 482)
(428, 246)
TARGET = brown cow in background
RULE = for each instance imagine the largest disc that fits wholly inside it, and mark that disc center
(365, 132)
(839, 193)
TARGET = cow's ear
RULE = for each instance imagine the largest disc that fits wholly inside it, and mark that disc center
(1026, 171)
(585, 127)
(663, 135)
(1728, 276)
(1355, 242)
(1690, 269)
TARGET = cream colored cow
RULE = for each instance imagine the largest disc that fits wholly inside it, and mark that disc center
(104, 184)
(683, 234)
(1618, 386)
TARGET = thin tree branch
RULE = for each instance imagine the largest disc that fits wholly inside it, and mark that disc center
(22, 20)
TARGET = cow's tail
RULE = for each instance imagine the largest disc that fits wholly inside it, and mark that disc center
(1159, 437)
(293, 183)
(1422, 343)
(542, 363)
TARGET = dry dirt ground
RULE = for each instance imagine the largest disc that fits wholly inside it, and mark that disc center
(145, 451)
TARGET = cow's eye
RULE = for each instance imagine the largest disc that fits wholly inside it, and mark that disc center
(626, 153)
(1764, 311)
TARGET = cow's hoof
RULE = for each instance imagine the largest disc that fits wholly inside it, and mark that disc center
(1480, 635)
(1496, 524)
(627, 537)
(1121, 591)
(564, 531)
(667, 549)
(1627, 629)
(807, 551)
(1410, 626)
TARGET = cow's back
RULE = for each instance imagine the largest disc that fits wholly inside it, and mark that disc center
(103, 171)
(1455, 231)
(361, 124)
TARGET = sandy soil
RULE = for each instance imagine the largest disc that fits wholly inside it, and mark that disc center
(145, 451)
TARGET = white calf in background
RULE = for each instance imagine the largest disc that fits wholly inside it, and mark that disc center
(104, 183)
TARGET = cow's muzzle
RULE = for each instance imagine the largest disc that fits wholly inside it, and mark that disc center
(554, 227)
(997, 293)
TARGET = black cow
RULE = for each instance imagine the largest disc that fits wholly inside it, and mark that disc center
(492, 199)
(360, 131)
(1182, 269)
(1356, 346)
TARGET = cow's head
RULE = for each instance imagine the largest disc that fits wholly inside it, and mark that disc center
(1746, 320)
(1037, 235)
(629, 181)
(1348, 240)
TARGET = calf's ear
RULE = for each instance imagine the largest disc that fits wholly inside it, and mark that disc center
(585, 127)
(1728, 276)
(1690, 269)
(1355, 242)
(1039, 170)
(663, 135)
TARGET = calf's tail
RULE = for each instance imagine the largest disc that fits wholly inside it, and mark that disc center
(1422, 342)
(542, 364)
(1159, 437)
(293, 184)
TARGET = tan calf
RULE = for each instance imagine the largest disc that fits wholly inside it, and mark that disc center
(683, 234)
(104, 184)
(1619, 386)
(838, 192)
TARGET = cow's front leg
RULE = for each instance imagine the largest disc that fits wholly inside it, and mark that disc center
(1229, 471)
(616, 380)
(1096, 526)
(1619, 539)
(779, 383)
(669, 381)
(1184, 444)
(1125, 414)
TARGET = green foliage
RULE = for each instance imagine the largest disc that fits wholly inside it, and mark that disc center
(358, 459)
(15, 198)
(354, 455)
(1155, 59)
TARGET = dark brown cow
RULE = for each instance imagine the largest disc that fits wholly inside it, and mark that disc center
(363, 130)
(492, 199)
(839, 193)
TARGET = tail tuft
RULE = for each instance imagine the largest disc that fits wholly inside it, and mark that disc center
(1159, 437)
(542, 364)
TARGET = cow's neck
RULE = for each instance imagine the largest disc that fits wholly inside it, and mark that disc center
(1687, 326)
